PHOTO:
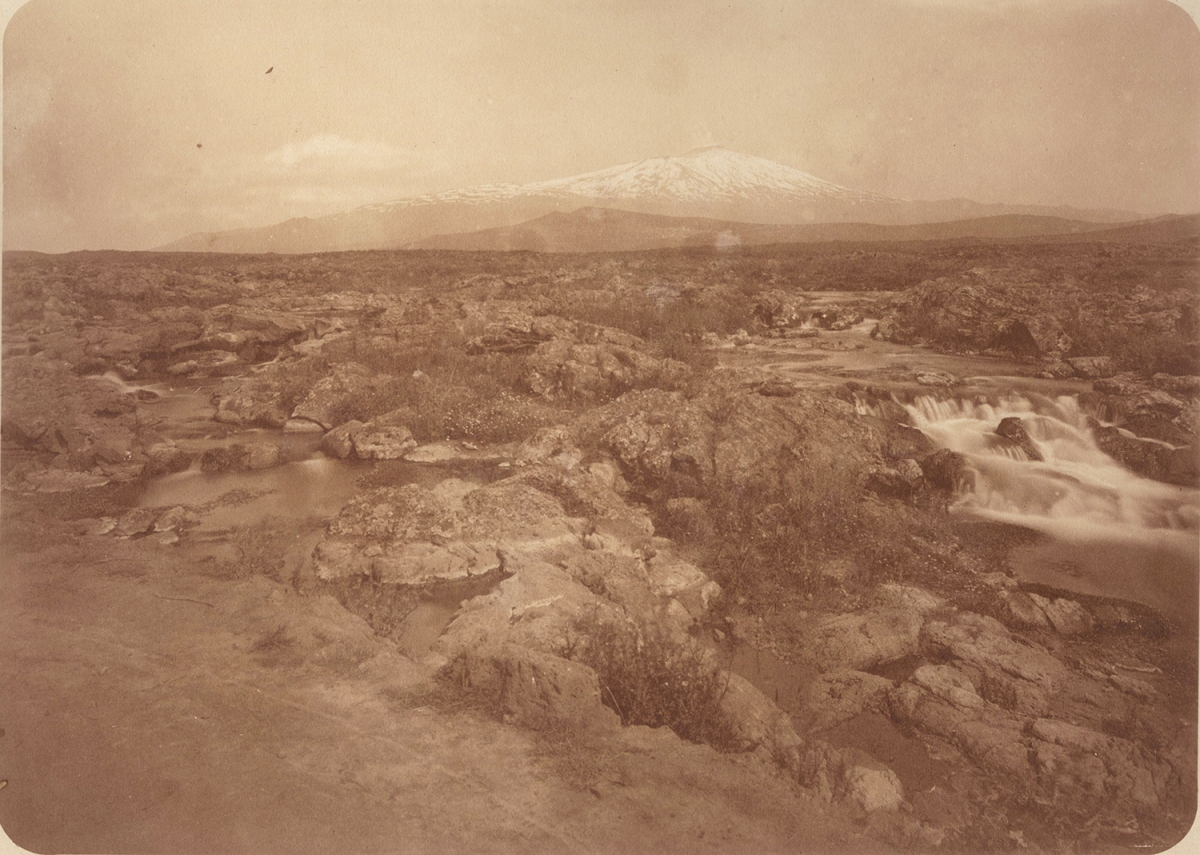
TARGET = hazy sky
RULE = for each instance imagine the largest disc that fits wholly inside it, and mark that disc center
(129, 124)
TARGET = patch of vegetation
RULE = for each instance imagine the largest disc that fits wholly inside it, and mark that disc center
(648, 678)
(275, 640)
(261, 550)
(805, 527)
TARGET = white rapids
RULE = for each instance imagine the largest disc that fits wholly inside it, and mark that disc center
(1076, 494)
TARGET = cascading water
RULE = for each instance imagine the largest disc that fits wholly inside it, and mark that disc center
(1122, 534)
(1076, 491)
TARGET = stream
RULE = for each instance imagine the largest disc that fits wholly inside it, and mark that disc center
(1109, 532)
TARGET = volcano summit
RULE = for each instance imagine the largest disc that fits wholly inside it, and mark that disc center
(710, 182)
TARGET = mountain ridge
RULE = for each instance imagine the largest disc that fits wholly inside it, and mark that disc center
(610, 230)
(712, 182)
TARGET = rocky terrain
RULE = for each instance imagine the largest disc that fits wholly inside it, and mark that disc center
(643, 551)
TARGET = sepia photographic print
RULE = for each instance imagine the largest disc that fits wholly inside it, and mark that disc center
(680, 426)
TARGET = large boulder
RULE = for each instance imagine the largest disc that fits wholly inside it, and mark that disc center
(1013, 430)
(597, 370)
(534, 688)
(258, 400)
(383, 438)
(74, 424)
(326, 402)
(1149, 458)
(1014, 673)
(1092, 367)
(948, 470)
(757, 721)
(942, 700)
(887, 631)
(240, 457)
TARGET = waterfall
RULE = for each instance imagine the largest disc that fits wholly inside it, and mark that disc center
(1076, 493)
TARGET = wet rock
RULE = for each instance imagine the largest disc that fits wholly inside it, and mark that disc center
(903, 442)
(1183, 466)
(1149, 458)
(947, 470)
(302, 426)
(1022, 610)
(262, 455)
(1056, 370)
(936, 378)
(1183, 386)
(239, 458)
(256, 400)
(211, 363)
(1125, 383)
(222, 459)
(176, 519)
(1066, 616)
(1013, 429)
(61, 480)
(442, 452)
(339, 442)
(135, 522)
(383, 438)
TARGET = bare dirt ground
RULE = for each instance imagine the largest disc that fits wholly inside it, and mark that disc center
(145, 709)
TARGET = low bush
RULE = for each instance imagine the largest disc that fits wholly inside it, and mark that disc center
(778, 530)
(648, 678)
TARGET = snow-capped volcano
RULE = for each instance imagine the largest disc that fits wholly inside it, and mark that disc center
(711, 174)
(705, 176)
(707, 183)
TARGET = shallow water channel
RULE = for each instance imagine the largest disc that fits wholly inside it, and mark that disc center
(1108, 531)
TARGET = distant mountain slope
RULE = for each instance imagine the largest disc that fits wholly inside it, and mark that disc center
(607, 230)
(712, 183)
(1170, 229)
